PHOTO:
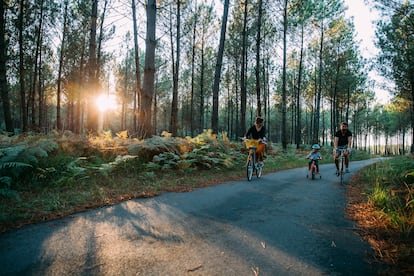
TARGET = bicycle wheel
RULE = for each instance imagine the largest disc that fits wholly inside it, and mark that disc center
(250, 168)
(313, 173)
(341, 170)
(259, 170)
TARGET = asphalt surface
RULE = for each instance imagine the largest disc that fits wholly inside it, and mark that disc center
(281, 224)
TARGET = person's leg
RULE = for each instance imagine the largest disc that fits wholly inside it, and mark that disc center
(346, 159)
(336, 155)
(260, 151)
(346, 155)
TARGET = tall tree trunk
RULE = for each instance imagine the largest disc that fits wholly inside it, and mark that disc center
(319, 91)
(61, 60)
(217, 74)
(22, 72)
(41, 94)
(201, 107)
(149, 70)
(38, 31)
(79, 118)
(193, 70)
(176, 69)
(243, 95)
(257, 71)
(92, 119)
(4, 91)
(37, 79)
(138, 90)
(298, 107)
(412, 117)
(100, 39)
(285, 24)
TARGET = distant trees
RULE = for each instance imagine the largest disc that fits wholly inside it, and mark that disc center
(396, 42)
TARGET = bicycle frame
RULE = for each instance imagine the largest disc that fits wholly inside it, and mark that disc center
(251, 164)
(341, 163)
(313, 170)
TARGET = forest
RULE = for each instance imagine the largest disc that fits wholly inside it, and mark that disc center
(108, 100)
(186, 66)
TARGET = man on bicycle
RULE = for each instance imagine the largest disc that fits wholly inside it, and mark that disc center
(258, 132)
(342, 140)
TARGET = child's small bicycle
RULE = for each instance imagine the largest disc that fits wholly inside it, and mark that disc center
(313, 169)
(251, 164)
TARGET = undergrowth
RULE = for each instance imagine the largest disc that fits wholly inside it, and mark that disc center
(388, 188)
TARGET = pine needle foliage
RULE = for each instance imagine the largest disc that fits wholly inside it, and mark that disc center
(391, 190)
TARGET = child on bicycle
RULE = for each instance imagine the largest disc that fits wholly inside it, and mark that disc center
(258, 132)
(315, 156)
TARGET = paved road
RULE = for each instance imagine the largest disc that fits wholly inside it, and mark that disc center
(281, 224)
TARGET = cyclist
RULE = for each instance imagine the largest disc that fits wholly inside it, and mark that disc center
(258, 132)
(342, 139)
(314, 155)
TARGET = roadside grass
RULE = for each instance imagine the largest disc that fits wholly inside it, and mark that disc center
(382, 203)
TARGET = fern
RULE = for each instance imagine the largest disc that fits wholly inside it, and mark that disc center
(10, 165)
(17, 157)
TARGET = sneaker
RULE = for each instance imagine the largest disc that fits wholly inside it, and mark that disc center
(337, 172)
(261, 164)
(347, 170)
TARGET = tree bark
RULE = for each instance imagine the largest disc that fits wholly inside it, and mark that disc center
(243, 93)
(22, 71)
(217, 74)
(138, 91)
(193, 70)
(4, 90)
(284, 130)
(149, 70)
(92, 119)
(176, 69)
(61, 61)
(298, 107)
(258, 38)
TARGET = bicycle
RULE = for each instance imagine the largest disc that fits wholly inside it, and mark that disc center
(251, 164)
(341, 163)
(313, 170)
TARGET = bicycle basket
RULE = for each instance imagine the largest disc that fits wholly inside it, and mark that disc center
(251, 143)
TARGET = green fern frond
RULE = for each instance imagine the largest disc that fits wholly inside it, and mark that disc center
(9, 165)
(152, 166)
(8, 193)
(47, 145)
(6, 180)
(147, 149)
(10, 153)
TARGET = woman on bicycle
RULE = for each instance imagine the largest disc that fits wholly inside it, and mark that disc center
(342, 140)
(258, 132)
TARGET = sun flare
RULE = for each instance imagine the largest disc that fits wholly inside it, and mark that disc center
(106, 102)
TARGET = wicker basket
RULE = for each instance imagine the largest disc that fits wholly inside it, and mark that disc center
(251, 143)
